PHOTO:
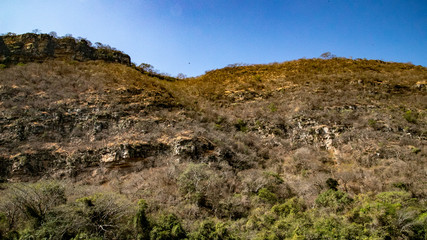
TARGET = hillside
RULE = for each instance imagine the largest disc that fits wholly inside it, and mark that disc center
(311, 148)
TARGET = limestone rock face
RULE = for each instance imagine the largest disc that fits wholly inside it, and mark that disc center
(31, 47)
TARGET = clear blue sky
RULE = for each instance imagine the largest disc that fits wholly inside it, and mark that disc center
(192, 36)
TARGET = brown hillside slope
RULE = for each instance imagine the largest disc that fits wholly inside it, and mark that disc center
(230, 144)
(354, 120)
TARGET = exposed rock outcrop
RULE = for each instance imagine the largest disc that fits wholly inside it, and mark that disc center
(32, 47)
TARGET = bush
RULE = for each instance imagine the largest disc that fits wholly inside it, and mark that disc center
(193, 183)
(291, 206)
(141, 222)
(208, 230)
(335, 200)
(168, 228)
(104, 215)
(410, 116)
(267, 196)
(241, 125)
(34, 201)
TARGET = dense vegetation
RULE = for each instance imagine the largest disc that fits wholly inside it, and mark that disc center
(49, 210)
(307, 149)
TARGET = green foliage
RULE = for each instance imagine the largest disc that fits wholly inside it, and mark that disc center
(390, 214)
(336, 228)
(3, 225)
(415, 150)
(104, 215)
(272, 107)
(2, 66)
(291, 206)
(36, 200)
(208, 230)
(267, 196)
(401, 185)
(410, 116)
(396, 197)
(168, 228)
(335, 200)
(193, 182)
(20, 64)
(275, 176)
(241, 125)
(141, 222)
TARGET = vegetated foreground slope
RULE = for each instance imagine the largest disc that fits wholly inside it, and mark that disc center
(254, 147)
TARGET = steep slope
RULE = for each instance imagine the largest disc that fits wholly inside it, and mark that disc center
(229, 144)
(345, 121)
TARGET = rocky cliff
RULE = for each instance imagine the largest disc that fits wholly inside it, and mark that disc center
(31, 47)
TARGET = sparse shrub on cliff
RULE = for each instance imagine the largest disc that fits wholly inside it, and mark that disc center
(410, 116)
(241, 125)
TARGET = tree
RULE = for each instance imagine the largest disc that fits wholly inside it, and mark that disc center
(34, 201)
(36, 31)
(181, 76)
(146, 67)
(53, 34)
(168, 228)
(327, 55)
(141, 221)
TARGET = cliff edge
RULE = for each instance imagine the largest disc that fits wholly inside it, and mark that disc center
(30, 47)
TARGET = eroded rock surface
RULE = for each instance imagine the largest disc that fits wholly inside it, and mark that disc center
(32, 47)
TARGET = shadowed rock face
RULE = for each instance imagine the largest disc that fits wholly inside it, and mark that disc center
(31, 47)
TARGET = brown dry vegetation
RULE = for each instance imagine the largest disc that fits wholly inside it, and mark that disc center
(229, 144)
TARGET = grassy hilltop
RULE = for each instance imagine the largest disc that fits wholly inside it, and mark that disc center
(306, 149)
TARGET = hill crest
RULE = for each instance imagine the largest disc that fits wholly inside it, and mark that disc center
(31, 47)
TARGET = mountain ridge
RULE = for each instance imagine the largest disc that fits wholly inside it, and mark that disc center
(31, 47)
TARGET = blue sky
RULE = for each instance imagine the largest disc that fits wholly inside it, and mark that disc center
(193, 36)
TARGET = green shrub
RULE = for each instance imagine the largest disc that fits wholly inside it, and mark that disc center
(336, 228)
(208, 230)
(396, 197)
(291, 206)
(2, 66)
(168, 228)
(415, 150)
(141, 222)
(267, 196)
(3, 225)
(36, 200)
(192, 183)
(104, 215)
(241, 125)
(272, 107)
(410, 116)
(335, 200)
